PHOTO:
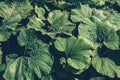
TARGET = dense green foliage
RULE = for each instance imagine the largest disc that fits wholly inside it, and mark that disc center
(59, 39)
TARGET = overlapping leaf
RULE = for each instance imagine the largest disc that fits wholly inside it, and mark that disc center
(35, 23)
(115, 1)
(99, 33)
(12, 14)
(4, 34)
(99, 29)
(94, 29)
(113, 19)
(40, 12)
(59, 23)
(37, 62)
(13, 9)
(107, 63)
(60, 4)
(99, 2)
(84, 13)
(10, 21)
(81, 14)
(77, 53)
(94, 51)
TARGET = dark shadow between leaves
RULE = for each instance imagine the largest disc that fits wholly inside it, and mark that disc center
(104, 52)
(57, 70)
(11, 46)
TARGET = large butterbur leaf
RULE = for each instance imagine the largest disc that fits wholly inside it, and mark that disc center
(88, 31)
(26, 37)
(77, 54)
(61, 4)
(24, 11)
(4, 34)
(107, 62)
(115, 2)
(12, 14)
(59, 39)
(107, 35)
(8, 26)
(112, 40)
(35, 23)
(40, 12)
(98, 33)
(35, 62)
(10, 21)
(113, 19)
(81, 14)
(59, 23)
(99, 2)
(15, 8)
(97, 27)
(60, 44)
(18, 7)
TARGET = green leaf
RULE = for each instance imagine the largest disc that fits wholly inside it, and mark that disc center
(100, 14)
(23, 7)
(40, 12)
(59, 23)
(61, 4)
(81, 13)
(26, 37)
(118, 2)
(14, 9)
(35, 23)
(10, 21)
(6, 11)
(2, 67)
(4, 34)
(115, 2)
(98, 33)
(97, 78)
(62, 44)
(8, 26)
(35, 63)
(77, 53)
(113, 19)
(112, 41)
(88, 32)
(107, 63)
(99, 2)
(0, 56)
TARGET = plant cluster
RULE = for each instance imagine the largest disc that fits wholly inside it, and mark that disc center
(59, 39)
